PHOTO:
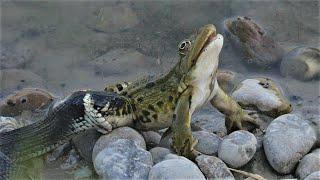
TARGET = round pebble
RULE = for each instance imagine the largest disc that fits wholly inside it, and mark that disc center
(208, 143)
(158, 154)
(152, 138)
(181, 168)
(116, 134)
(287, 139)
(310, 163)
(213, 167)
(237, 148)
(123, 159)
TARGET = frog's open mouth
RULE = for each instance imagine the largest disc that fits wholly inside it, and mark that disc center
(211, 37)
(204, 38)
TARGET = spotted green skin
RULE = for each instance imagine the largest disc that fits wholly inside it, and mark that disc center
(166, 102)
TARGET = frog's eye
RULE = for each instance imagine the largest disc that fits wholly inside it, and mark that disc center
(23, 100)
(184, 47)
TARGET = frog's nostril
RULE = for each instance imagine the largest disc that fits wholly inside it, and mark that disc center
(11, 103)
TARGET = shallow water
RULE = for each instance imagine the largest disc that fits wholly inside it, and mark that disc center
(62, 43)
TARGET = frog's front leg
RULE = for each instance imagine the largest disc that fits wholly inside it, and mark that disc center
(182, 141)
(235, 115)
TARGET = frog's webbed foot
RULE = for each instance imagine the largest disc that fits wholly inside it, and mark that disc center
(184, 145)
(240, 117)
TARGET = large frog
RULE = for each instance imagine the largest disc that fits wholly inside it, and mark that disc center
(168, 101)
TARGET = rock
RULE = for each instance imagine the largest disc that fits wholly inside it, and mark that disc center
(208, 143)
(152, 138)
(237, 148)
(262, 94)
(287, 139)
(209, 119)
(175, 169)
(313, 176)
(260, 165)
(116, 134)
(123, 159)
(71, 161)
(255, 45)
(302, 63)
(172, 156)
(309, 164)
(85, 142)
(115, 18)
(16, 79)
(27, 99)
(8, 124)
(312, 114)
(127, 61)
(213, 167)
(158, 154)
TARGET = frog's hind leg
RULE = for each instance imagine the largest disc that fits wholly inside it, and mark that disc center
(235, 115)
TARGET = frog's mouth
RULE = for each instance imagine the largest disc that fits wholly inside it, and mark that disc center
(207, 35)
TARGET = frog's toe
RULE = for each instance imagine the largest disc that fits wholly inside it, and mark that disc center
(251, 117)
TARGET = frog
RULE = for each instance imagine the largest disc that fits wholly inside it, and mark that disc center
(256, 47)
(168, 101)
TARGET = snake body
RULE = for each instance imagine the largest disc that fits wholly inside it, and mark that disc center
(78, 112)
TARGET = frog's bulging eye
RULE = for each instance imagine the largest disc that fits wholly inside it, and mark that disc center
(184, 46)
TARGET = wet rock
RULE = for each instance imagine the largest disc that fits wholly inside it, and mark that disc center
(175, 169)
(260, 165)
(172, 156)
(288, 138)
(255, 45)
(123, 159)
(158, 154)
(208, 143)
(152, 138)
(85, 142)
(16, 79)
(237, 148)
(262, 94)
(312, 115)
(213, 167)
(127, 61)
(71, 161)
(310, 163)
(313, 176)
(115, 18)
(116, 134)
(8, 124)
(27, 99)
(210, 120)
(302, 63)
